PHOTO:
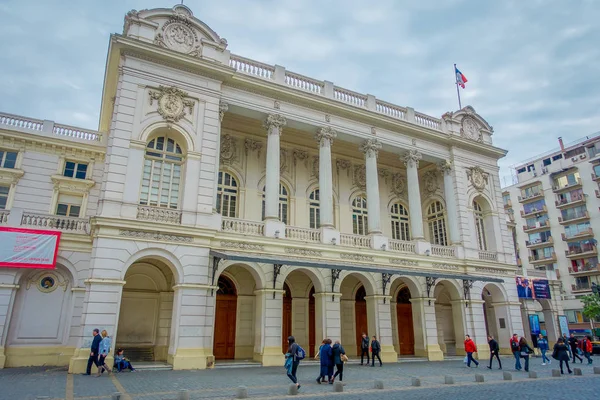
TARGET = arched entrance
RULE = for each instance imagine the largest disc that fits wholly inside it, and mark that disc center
(286, 320)
(299, 309)
(146, 311)
(360, 316)
(449, 315)
(357, 311)
(225, 320)
(406, 333)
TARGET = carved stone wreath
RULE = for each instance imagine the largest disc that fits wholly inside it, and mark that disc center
(172, 103)
(228, 149)
(177, 34)
(398, 184)
(315, 166)
(470, 129)
(478, 177)
(430, 182)
(360, 176)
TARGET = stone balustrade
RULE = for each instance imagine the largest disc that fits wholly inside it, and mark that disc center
(443, 251)
(402, 246)
(302, 234)
(304, 83)
(56, 222)
(251, 67)
(243, 227)
(488, 255)
(355, 240)
(4, 217)
(158, 214)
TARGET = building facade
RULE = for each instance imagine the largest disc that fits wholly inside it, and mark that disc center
(224, 204)
(553, 211)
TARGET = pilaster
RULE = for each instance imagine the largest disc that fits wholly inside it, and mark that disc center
(425, 325)
(269, 308)
(328, 321)
(274, 125)
(381, 318)
(7, 299)
(446, 168)
(411, 161)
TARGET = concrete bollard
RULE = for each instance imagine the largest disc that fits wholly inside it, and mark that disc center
(533, 374)
(577, 371)
(479, 378)
(116, 396)
(507, 376)
(183, 394)
(338, 387)
(416, 382)
(292, 389)
(597, 370)
(378, 384)
(556, 373)
(448, 380)
(241, 393)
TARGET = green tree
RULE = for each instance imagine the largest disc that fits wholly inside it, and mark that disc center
(591, 307)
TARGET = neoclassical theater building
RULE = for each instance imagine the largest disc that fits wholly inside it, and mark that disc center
(224, 204)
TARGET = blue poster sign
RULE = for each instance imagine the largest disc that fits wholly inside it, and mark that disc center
(534, 324)
(528, 288)
(563, 323)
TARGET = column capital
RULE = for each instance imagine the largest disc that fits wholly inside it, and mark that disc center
(446, 166)
(274, 121)
(411, 158)
(324, 134)
(223, 108)
(370, 147)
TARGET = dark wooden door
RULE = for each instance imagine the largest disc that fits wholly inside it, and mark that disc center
(286, 318)
(311, 323)
(225, 317)
(406, 335)
(360, 312)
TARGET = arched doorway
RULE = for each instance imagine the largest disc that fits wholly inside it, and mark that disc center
(225, 320)
(146, 311)
(286, 320)
(449, 315)
(360, 316)
(406, 333)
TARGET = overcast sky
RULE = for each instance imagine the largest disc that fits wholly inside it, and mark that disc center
(533, 66)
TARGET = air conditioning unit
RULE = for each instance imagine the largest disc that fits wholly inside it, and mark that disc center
(582, 156)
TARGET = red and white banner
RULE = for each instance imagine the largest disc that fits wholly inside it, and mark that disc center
(28, 248)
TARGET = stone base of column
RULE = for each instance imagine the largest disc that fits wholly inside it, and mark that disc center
(388, 354)
(274, 228)
(434, 353)
(378, 241)
(78, 363)
(328, 234)
(271, 357)
(198, 358)
(2, 358)
(421, 247)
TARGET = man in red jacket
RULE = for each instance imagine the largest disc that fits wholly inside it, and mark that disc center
(587, 348)
(470, 348)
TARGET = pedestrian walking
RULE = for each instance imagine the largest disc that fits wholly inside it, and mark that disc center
(364, 347)
(339, 354)
(292, 359)
(375, 350)
(566, 342)
(516, 350)
(93, 359)
(525, 352)
(587, 348)
(494, 350)
(561, 353)
(543, 346)
(470, 348)
(326, 355)
(573, 344)
(104, 350)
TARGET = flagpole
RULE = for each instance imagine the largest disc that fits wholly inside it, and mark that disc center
(457, 91)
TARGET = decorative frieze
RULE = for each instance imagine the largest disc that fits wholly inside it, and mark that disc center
(398, 184)
(303, 252)
(228, 149)
(449, 267)
(487, 270)
(242, 245)
(360, 176)
(430, 182)
(356, 257)
(403, 261)
(145, 235)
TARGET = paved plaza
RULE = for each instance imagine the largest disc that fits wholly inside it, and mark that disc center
(272, 383)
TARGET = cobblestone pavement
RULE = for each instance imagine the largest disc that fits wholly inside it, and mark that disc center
(272, 383)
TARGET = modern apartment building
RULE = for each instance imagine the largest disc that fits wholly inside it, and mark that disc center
(553, 212)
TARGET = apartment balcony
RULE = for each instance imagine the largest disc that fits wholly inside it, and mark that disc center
(587, 269)
(564, 203)
(534, 212)
(508, 204)
(568, 186)
(587, 251)
(581, 288)
(576, 218)
(531, 197)
(537, 227)
(539, 243)
(595, 177)
(541, 259)
(581, 235)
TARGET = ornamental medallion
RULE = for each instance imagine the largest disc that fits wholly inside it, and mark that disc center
(172, 103)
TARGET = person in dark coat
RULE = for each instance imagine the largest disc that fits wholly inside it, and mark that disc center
(326, 356)
(525, 352)
(338, 350)
(375, 349)
(494, 349)
(94, 352)
(364, 347)
(292, 360)
(574, 344)
(561, 353)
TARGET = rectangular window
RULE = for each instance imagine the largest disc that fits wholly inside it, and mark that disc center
(4, 190)
(75, 170)
(534, 206)
(521, 170)
(69, 205)
(597, 169)
(8, 159)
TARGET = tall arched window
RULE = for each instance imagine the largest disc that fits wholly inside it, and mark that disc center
(437, 224)
(360, 221)
(400, 226)
(479, 226)
(284, 201)
(227, 195)
(314, 206)
(162, 173)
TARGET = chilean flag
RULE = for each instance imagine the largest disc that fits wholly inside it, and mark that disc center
(460, 78)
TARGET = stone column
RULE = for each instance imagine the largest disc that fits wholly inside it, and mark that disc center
(425, 326)
(300, 321)
(267, 348)
(274, 125)
(381, 323)
(7, 295)
(461, 322)
(325, 138)
(450, 196)
(411, 161)
(223, 108)
(476, 326)
(371, 149)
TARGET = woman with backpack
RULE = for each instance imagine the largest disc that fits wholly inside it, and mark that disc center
(293, 356)
(525, 352)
